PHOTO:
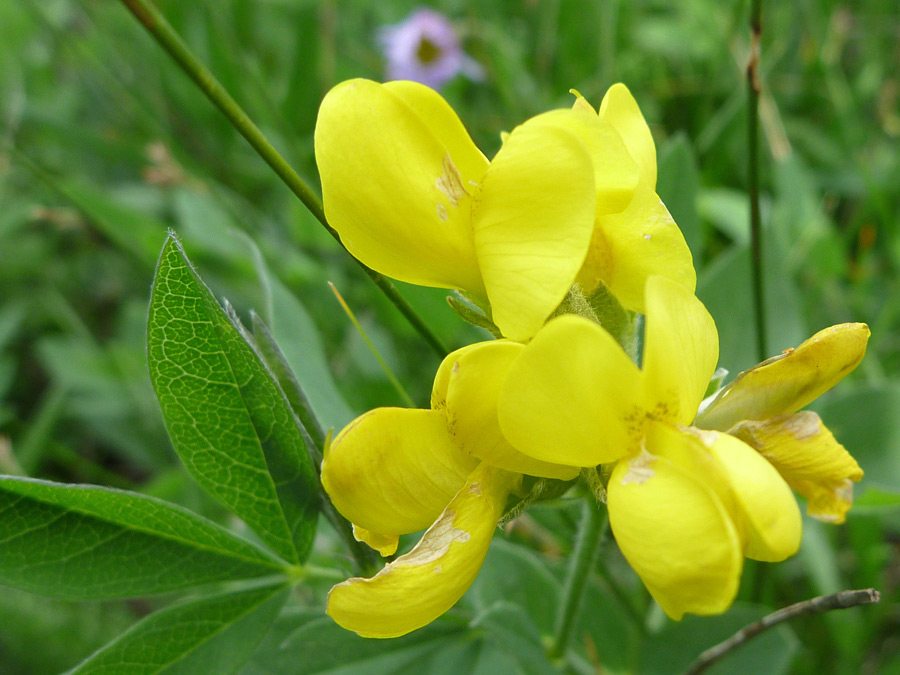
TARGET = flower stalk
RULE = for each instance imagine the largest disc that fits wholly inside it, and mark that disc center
(753, 89)
(155, 23)
(584, 558)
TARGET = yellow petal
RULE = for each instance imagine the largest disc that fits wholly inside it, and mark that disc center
(630, 246)
(774, 526)
(812, 462)
(581, 103)
(675, 531)
(443, 122)
(532, 220)
(393, 470)
(385, 544)
(573, 396)
(421, 585)
(789, 381)
(681, 348)
(621, 110)
(397, 186)
(473, 392)
(615, 172)
(442, 377)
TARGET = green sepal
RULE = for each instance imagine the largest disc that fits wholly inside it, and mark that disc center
(474, 314)
(535, 490)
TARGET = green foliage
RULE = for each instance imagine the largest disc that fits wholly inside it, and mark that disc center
(228, 419)
(211, 635)
(83, 542)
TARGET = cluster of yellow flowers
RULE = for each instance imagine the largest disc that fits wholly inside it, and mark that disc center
(561, 224)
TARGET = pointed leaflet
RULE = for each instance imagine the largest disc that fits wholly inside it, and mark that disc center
(207, 635)
(277, 363)
(227, 417)
(82, 542)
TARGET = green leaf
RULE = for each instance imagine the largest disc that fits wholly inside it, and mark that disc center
(724, 287)
(517, 574)
(320, 646)
(41, 635)
(84, 542)
(865, 421)
(511, 629)
(227, 417)
(207, 635)
(277, 363)
(677, 645)
(727, 209)
(678, 185)
(876, 500)
(296, 333)
(607, 625)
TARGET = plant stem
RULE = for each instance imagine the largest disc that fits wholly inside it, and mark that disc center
(753, 89)
(824, 603)
(584, 557)
(155, 23)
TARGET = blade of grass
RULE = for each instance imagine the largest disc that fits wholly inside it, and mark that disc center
(160, 29)
(384, 366)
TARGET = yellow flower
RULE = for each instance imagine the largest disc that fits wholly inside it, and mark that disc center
(395, 471)
(760, 407)
(685, 505)
(570, 195)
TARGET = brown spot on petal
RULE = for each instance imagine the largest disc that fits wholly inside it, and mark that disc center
(640, 469)
(450, 182)
(435, 542)
(803, 425)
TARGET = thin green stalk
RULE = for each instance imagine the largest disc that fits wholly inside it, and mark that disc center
(155, 23)
(385, 368)
(584, 558)
(753, 89)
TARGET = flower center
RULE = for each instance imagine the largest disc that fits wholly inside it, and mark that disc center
(428, 52)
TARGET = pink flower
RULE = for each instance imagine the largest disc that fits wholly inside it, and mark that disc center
(425, 48)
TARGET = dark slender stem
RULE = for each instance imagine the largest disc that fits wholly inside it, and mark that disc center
(824, 603)
(155, 23)
(753, 89)
(584, 557)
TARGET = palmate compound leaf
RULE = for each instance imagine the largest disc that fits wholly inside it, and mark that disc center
(227, 417)
(82, 542)
(214, 634)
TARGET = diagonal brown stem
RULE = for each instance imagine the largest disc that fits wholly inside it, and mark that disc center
(823, 603)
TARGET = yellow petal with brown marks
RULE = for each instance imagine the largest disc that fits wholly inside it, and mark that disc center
(421, 585)
(809, 458)
(398, 172)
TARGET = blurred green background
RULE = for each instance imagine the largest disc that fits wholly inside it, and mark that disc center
(106, 144)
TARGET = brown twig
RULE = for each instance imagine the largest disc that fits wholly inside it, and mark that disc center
(824, 603)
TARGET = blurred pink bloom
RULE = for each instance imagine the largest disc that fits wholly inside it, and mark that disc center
(425, 48)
